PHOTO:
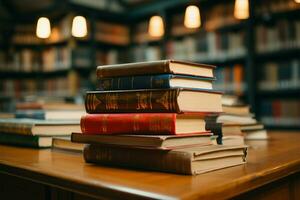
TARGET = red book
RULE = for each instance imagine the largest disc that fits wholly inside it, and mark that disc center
(143, 123)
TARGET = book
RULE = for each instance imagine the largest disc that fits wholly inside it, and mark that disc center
(176, 100)
(236, 110)
(142, 123)
(25, 140)
(155, 67)
(66, 144)
(146, 141)
(194, 160)
(233, 140)
(38, 127)
(236, 119)
(50, 114)
(48, 106)
(154, 82)
(256, 135)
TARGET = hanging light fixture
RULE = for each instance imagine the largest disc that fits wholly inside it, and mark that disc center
(156, 26)
(192, 18)
(241, 9)
(79, 26)
(43, 28)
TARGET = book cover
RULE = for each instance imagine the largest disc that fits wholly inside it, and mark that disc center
(147, 141)
(176, 100)
(142, 123)
(25, 140)
(194, 160)
(154, 82)
(155, 67)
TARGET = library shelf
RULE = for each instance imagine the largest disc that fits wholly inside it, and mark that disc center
(282, 93)
(278, 54)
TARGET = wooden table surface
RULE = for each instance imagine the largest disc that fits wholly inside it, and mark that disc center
(268, 160)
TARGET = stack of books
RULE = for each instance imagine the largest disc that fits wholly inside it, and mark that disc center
(151, 115)
(236, 123)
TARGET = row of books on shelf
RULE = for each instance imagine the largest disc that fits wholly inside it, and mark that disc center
(276, 6)
(208, 46)
(177, 125)
(280, 75)
(55, 59)
(280, 112)
(112, 33)
(146, 53)
(284, 34)
(58, 86)
(230, 79)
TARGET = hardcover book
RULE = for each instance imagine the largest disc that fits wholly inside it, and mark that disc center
(156, 67)
(38, 127)
(154, 82)
(147, 141)
(193, 160)
(142, 123)
(25, 140)
(50, 114)
(176, 100)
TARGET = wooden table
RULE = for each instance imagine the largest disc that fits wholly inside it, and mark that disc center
(272, 172)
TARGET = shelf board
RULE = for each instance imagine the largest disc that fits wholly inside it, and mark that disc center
(280, 93)
(279, 54)
(268, 16)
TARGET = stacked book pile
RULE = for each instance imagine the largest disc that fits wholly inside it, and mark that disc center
(36, 124)
(151, 115)
(236, 123)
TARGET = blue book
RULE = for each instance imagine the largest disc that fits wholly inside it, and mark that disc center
(154, 82)
(32, 114)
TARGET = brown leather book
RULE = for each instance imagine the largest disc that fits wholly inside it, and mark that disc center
(194, 160)
(176, 100)
(156, 67)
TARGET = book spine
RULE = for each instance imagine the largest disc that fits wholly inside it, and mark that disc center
(19, 140)
(132, 101)
(15, 128)
(30, 114)
(159, 67)
(166, 161)
(135, 82)
(146, 123)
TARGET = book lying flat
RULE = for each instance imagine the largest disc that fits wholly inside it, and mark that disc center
(66, 144)
(178, 100)
(143, 123)
(48, 106)
(236, 110)
(50, 114)
(155, 67)
(146, 141)
(154, 82)
(39, 127)
(236, 119)
(25, 140)
(194, 160)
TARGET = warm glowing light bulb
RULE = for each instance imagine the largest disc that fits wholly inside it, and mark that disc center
(43, 28)
(79, 26)
(297, 1)
(156, 26)
(241, 9)
(192, 18)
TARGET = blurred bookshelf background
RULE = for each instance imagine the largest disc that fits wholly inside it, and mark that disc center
(257, 50)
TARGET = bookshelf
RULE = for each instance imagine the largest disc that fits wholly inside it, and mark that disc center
(250, 64)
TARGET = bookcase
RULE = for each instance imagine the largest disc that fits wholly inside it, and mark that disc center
(257, 58)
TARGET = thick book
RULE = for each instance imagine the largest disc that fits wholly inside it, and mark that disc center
(25, 140)
(50, 114)
(39, 127)
(176, 100)
(154, 82)
(146, 141)
(194, 160)
(156, 67)
(236, 110)
(48, 106)
(143, 123)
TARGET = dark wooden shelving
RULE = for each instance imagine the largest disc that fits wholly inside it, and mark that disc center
(279, 54)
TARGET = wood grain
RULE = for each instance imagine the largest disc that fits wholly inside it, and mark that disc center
(268, 160)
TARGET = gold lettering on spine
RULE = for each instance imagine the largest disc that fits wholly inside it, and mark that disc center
(136, 123)
(164, 100)
(142, 103)
(95, 102)
(111, 101)
(104, 123)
